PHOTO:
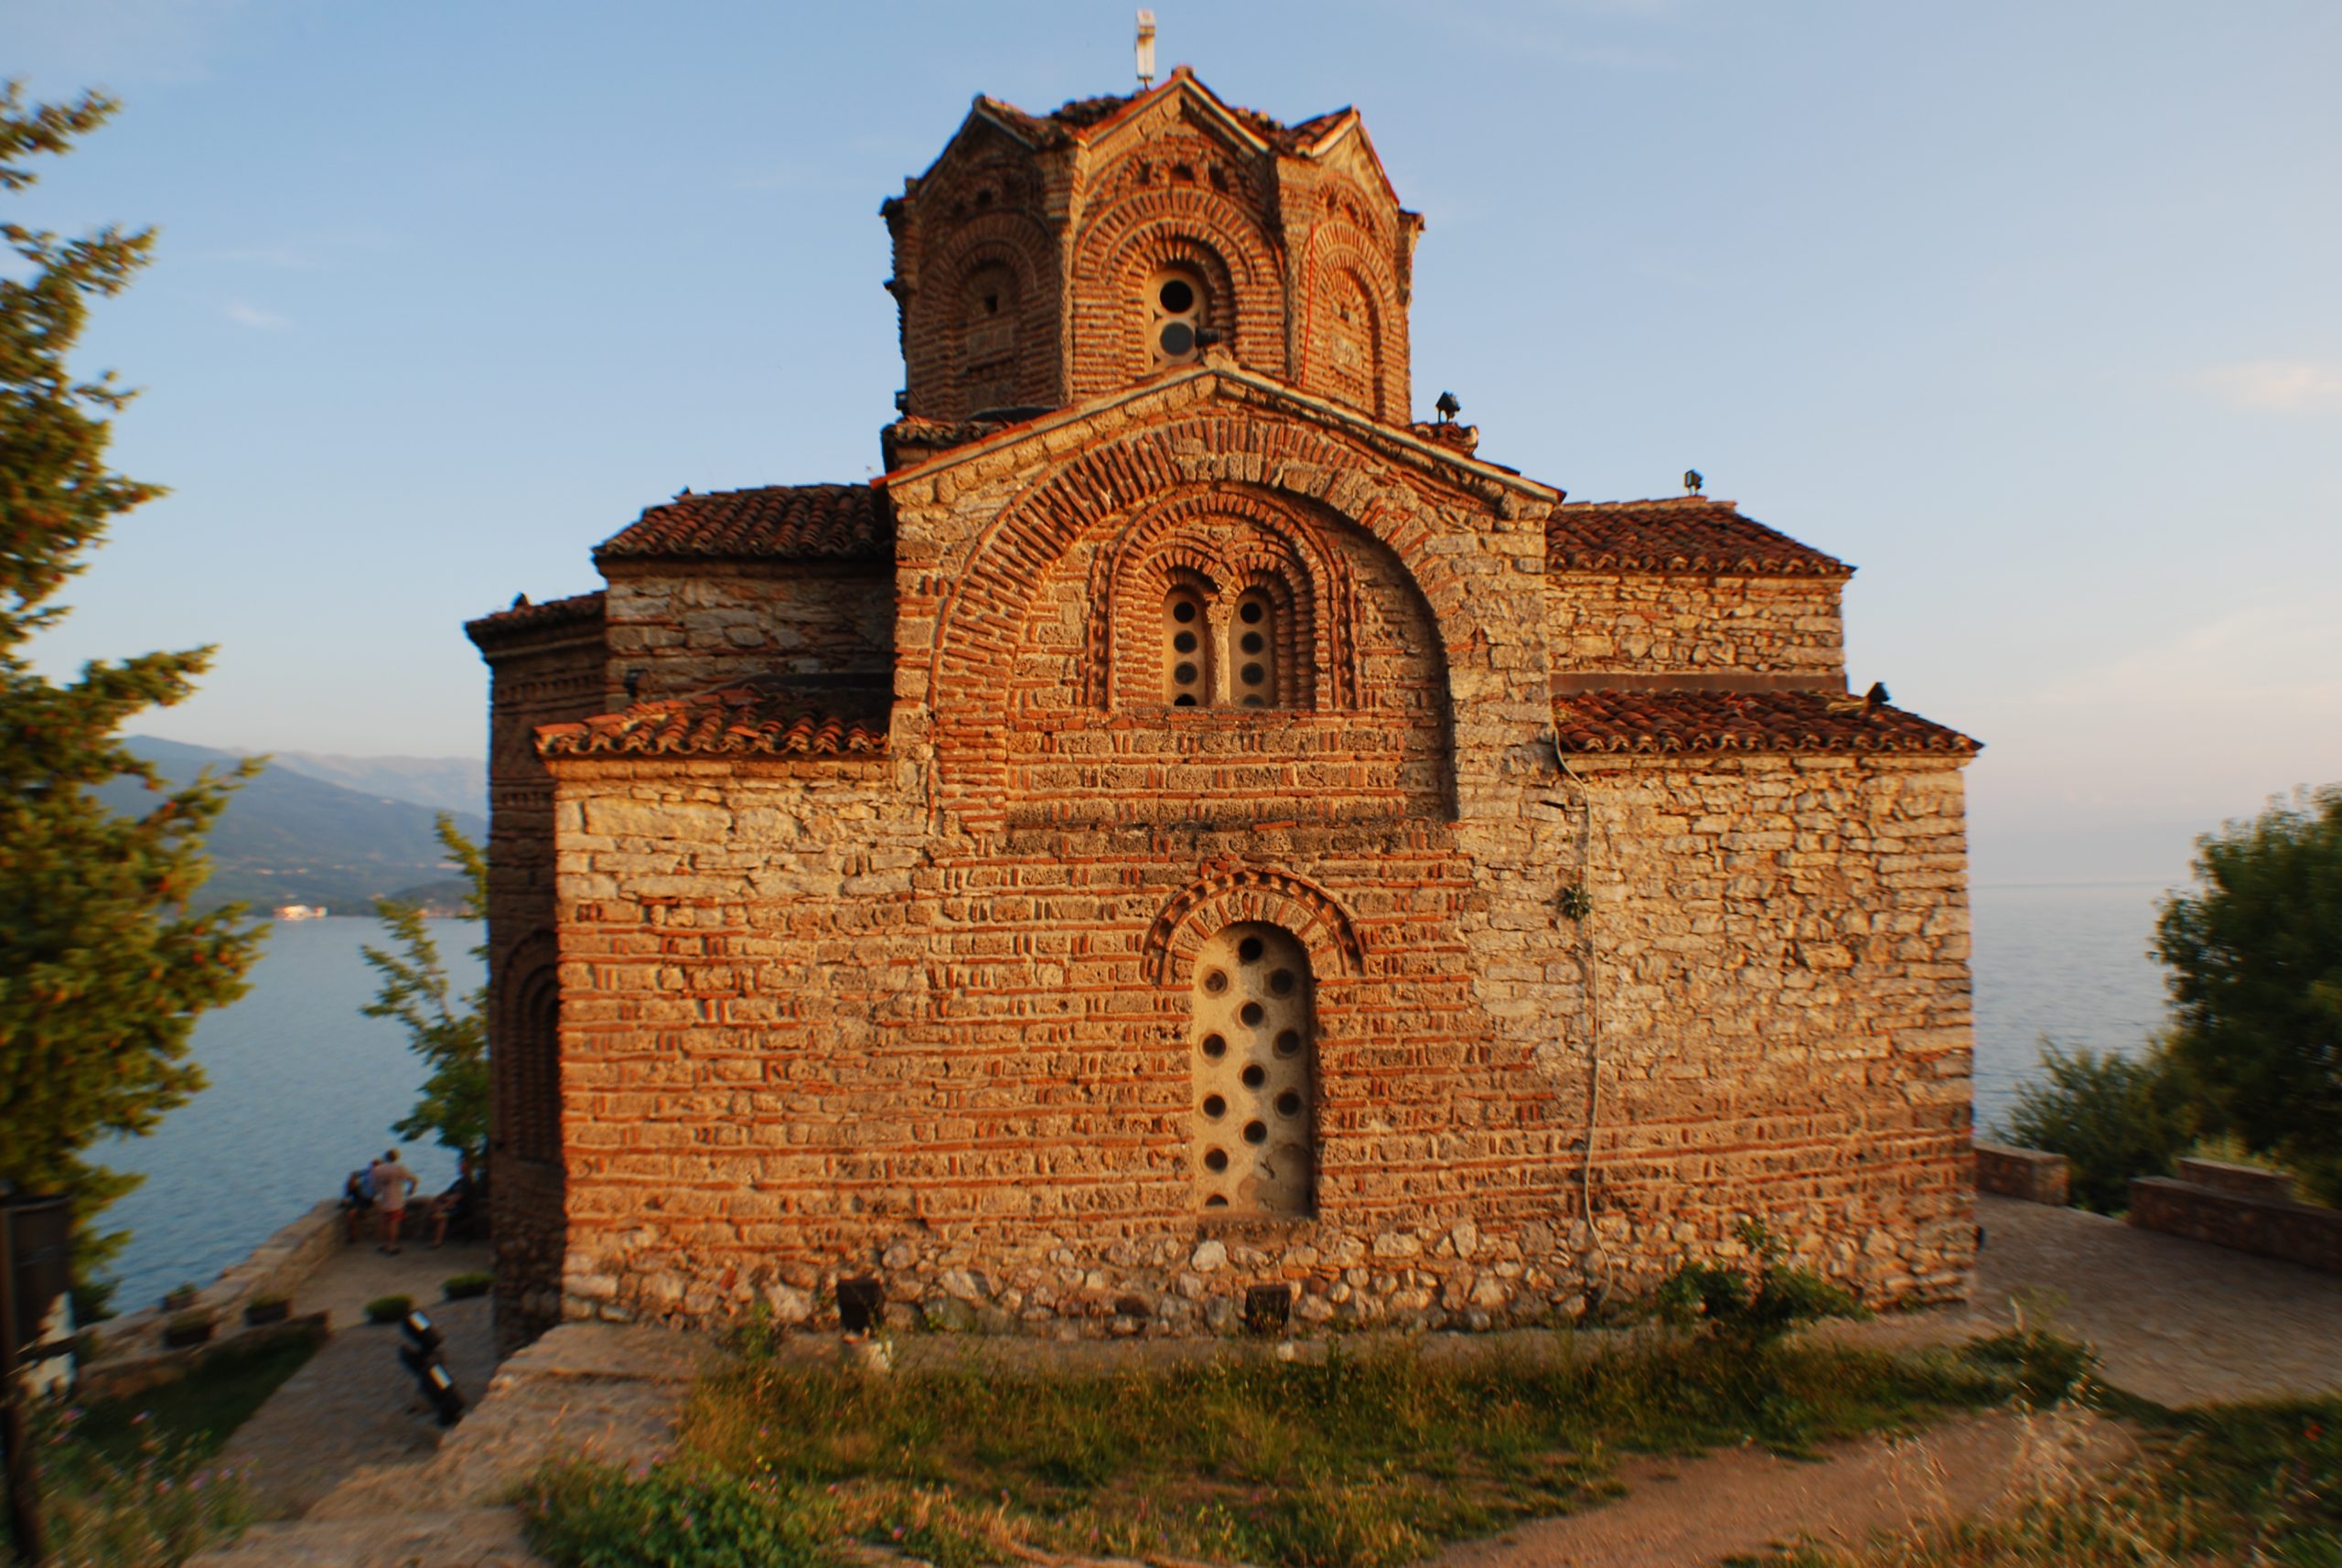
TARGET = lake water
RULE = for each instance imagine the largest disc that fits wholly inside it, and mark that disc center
(303, 1088)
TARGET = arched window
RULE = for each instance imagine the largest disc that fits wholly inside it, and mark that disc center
(988, 311)
(1254, 1149)
(532, 1121)
(1254, 651)
(1174, 318)
(1186, 650)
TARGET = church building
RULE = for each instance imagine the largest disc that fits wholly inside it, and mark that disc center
(1194, 843)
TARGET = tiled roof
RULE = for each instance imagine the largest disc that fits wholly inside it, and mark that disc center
(844, 523)
(1745, 721)
(751, 719)
(526, 616)
(1685, 533)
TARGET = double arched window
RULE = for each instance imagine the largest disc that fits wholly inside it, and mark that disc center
(1239, 658)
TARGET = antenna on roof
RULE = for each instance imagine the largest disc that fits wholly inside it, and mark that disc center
(1146, 48)
(1692, 481)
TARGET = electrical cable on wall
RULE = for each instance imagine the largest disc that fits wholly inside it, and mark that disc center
(1577, 903)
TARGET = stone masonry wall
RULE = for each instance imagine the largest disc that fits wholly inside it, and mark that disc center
(541, 674)
(925, 1017)
(675, 630)
(1654, 623)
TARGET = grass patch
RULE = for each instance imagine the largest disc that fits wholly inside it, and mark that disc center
(1369, 1458)
(389, 1308)
(135, 1482)
(2232, 1484)
(199, 1412)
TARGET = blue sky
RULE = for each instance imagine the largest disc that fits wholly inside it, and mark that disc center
(2029, 310)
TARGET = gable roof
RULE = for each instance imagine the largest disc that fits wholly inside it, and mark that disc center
(753, 718)
(801, 522)
(1681, 534)
(1222, 372)
(524, 618)
(1764, 722)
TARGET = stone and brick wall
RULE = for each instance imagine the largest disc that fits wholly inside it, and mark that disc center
(678, 627)
(923, 1015)
(2272, 1227)
(1650, 623)
(547, 665)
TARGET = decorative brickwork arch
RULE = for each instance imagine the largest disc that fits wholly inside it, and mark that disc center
(1275, 544)
(1198, 229)
(1236, 894)
(987, 595)
(526, 1052)
(1346, 268)
(934, 325)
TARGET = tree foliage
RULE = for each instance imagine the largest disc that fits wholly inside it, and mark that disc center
(450, 1033)
(103, 967)
(2255, 954)
(2112, 1116)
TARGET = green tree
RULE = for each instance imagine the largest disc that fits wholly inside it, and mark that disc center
(102, 965)
(450, 1033)
(2112, 1116)
(2255, 954)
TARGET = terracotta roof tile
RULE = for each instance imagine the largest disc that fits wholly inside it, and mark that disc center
(752, 719)
(525, 617)
(846, 522)
(1623, 721)
(1685, 533)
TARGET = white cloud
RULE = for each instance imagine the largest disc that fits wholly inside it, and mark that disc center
(2276, 386)
(2275, 655)
(252, 315)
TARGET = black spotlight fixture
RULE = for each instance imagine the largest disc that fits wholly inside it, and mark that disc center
(420, 1357)
(1448, 408)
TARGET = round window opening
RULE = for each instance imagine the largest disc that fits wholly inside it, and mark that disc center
(1179, 340)
(1215, 1107)
(1184, 700)
(1249, 951)
(1184, 674)
(1178, 296)
(1216, 1159)
(1252, 642)
(1252, 1012)
(1254, 1076)
(1256, 1133)
(1185, 642)
(1182, 612)
(1253, 674)
(1281, 983)
(1216, 1047)
(1289, 1103)
(1288, 1042)
(1251, 612)
(1215, 982)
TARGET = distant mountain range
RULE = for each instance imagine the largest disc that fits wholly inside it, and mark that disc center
(294, 836)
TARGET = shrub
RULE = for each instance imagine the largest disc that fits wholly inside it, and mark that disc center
(2114, 1117)
(151, 1503)
(461, 1287)
(581, 1513)
(1749, 1303)
(389, 1308)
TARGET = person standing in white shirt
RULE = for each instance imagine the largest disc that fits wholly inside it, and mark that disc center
(392, 1182)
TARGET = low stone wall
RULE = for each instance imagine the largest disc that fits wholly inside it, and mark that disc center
(119, 1377)
(2027, 1174)
(277, 1267)
(2245, 1181)
(2298, 1232)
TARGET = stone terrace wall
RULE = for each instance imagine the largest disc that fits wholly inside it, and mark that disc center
(1785, 1011)
(1649, 623)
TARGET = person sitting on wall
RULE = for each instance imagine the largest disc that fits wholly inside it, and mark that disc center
(357, 1200)
(458, 1207)
(392, 1182)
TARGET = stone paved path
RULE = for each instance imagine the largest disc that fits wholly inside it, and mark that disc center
(2175, 1321)
(353, 1404)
